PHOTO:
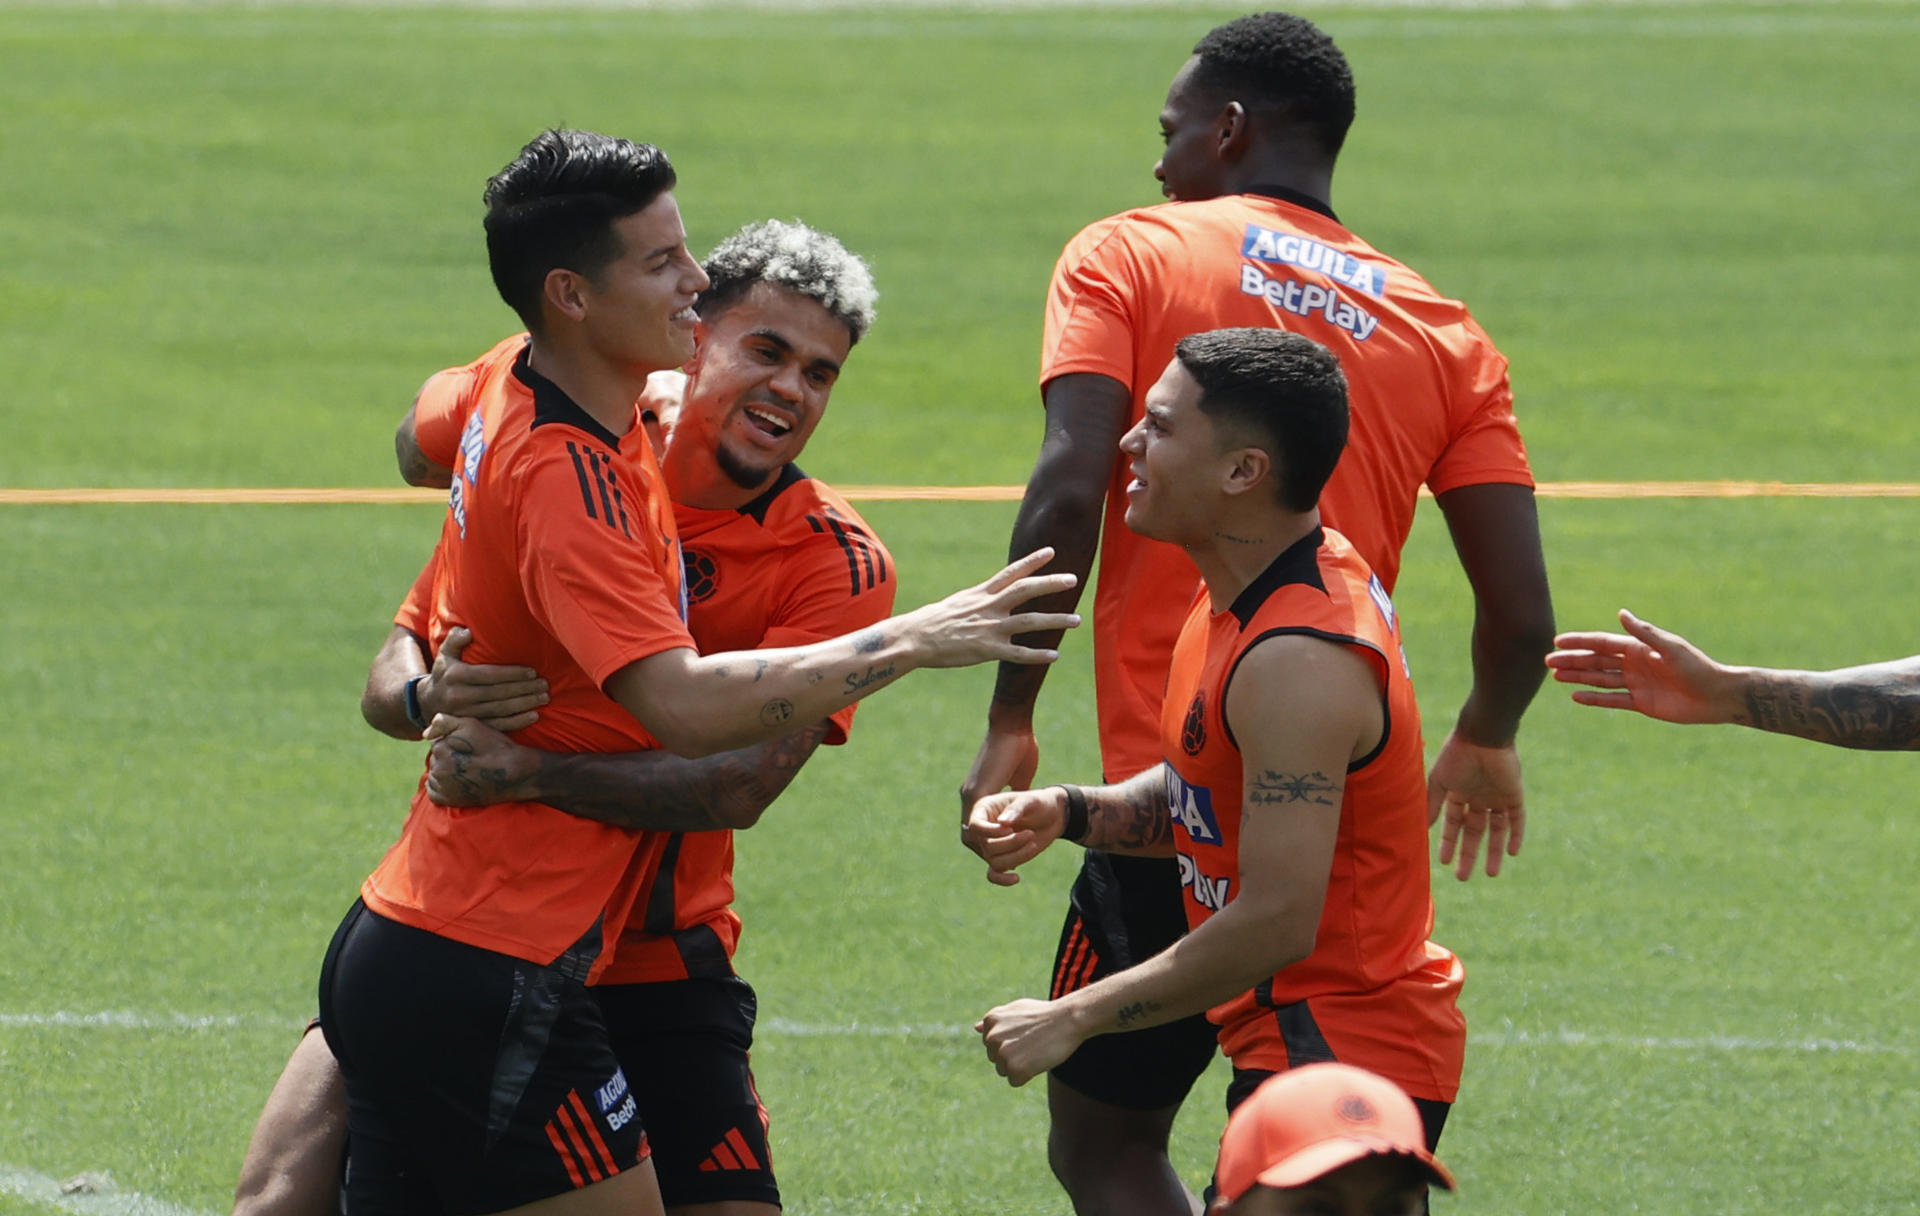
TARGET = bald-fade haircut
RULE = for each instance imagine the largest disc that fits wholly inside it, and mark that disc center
(802, 260)
(1284, 66)
(554, 207)
(1286, 391)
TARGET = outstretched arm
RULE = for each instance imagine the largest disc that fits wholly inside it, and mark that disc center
(1662, 675)
(474, 765)
(1086, 415)
(1475, 779)
(696, 705)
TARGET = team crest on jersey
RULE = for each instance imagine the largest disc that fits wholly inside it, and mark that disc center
(1192, 809)
(1291, 249)
(703, 575)
(1193, 731)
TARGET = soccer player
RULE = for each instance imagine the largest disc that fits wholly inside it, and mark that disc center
(779, 558)
(1325, 1140)
(1253, 123)
(1662, 675)
(1292, 792)
(479, 1073)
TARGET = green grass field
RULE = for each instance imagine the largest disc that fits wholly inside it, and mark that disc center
(235, 240)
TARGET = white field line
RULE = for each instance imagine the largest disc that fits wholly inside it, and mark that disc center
(788, 1028)
(46, 1192)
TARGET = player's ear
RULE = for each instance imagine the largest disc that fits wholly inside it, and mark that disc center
(1233, 132)
(564, 292)
(1247, 469)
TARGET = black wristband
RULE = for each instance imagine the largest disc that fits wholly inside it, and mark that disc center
(1075, 828)
(413, 703)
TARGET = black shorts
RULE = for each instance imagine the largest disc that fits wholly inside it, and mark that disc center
(1124, 911)
(684, 1045)
(475, 1081)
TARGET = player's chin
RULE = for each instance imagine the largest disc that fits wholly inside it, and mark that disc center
(1138, 517)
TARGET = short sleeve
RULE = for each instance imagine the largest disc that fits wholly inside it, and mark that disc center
(416, 611)
(593, 564)
(1484, 446)
(835, 587)
(1090, 322)
(440, 410)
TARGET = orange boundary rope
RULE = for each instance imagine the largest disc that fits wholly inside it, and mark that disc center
(376, 496)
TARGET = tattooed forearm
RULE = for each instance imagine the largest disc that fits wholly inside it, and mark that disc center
(1874, 708)
(869, 640)
(657, 791)
(872, 675)
(1133, 1015)
(1271, 788)
(1131, 817)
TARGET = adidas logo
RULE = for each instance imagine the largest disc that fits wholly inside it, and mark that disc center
(731, 1153)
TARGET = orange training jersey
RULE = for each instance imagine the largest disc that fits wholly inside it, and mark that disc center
(1374, 992)
(796, 565)
(559, 552)
(1429, 396)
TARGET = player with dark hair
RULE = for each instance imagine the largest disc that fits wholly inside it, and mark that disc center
(773, 557)
(1252, 122)
(1653, 671)
(1292, 792)
(479, 1073)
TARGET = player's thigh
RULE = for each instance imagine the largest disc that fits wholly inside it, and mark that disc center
(632, 1192)
(729, 1208)
(475, 1081)
(292, 1167)
(685, 1047)
(1124, 910)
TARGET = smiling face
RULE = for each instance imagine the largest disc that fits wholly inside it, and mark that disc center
(1189, 169)
(637, 310)
(760, 383)
(1177, 462)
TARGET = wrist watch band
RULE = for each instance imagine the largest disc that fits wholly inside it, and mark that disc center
(413, 703)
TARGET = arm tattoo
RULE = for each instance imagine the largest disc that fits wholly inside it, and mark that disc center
(776, 711)
(869, 640)
(416, 469)
(1129, 818)
(1876, 710)
(1132, 1015)
(671, 794)
(1273, 789)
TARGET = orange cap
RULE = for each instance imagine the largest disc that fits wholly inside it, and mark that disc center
(1305, 1123)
